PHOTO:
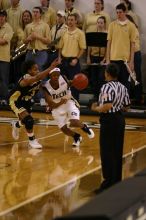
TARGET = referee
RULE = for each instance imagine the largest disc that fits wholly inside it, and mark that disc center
(113, 99)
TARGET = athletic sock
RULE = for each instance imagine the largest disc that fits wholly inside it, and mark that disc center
(31, 136)
(86, 129)
(18, 125)
(76, 136)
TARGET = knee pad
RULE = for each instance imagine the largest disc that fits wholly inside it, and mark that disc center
(28, 122)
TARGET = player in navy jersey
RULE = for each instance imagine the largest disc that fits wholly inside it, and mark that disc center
(113, 99)
(65, 109)
(20, 99)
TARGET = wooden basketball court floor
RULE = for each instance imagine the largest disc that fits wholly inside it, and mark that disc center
(42, 184)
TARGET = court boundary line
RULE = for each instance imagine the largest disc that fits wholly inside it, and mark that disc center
(133, 151)
(25, 141)
(48, 122)
(48, 192)
(61, 186)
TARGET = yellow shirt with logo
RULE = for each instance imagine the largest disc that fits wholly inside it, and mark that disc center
(6, 33)
(42, 29)
(59, 33)
(20, 34)
(90, 21)
(49, 17)
(72, 42)
(14, 17)
(134, 16)
(75, 11)
(4, 4)
(121, 37)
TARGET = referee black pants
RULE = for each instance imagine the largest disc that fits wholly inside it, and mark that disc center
(111, 147)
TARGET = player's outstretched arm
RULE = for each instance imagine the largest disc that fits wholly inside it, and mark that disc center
(40, 76)
(45, 73)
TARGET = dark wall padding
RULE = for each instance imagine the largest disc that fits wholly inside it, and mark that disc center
(141, 173)
(116, 203)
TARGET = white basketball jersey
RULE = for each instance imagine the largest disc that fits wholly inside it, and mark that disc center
(62, 92)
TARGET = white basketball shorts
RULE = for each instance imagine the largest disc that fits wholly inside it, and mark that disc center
(65, 112)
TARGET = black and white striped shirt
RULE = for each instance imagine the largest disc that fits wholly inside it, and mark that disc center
(116, 93)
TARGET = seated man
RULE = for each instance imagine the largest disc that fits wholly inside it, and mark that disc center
(65, 109)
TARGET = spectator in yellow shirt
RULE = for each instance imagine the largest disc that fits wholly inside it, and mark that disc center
(70, 9)
(121, 44)
(48, 13)
(15, 20)
(137, 90)
(71, 47)
(6, 34)
(18, 55)
(129, 11)
(91, 18)
(4, 4)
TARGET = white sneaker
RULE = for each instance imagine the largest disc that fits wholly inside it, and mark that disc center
(35, 144)
(91, 133)
(34, 152)
(15, 131)
(76, 150)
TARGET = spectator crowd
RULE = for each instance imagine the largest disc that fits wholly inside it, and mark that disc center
(45, 34)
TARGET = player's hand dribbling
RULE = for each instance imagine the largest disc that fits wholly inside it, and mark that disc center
(63, 101)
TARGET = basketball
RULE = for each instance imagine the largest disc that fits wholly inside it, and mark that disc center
(80, 81)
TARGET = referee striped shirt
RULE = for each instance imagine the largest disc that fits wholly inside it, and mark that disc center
(116, 93)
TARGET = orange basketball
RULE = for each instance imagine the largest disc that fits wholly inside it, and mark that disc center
(80, 81)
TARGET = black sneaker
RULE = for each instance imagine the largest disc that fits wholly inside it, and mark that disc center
(77, 140)
(89, 131)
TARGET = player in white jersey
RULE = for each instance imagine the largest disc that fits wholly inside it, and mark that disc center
(65, 109)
